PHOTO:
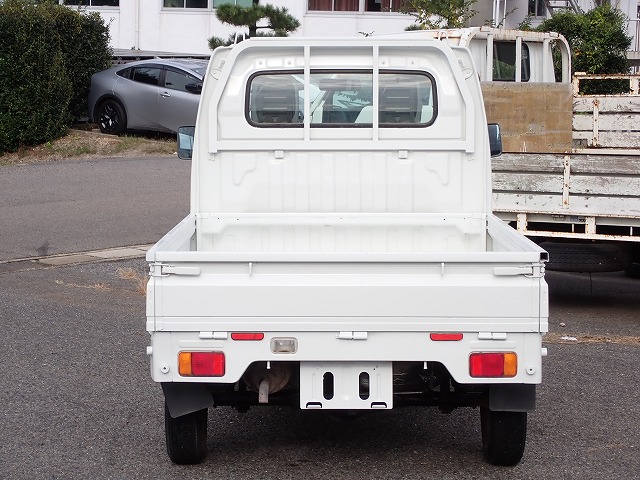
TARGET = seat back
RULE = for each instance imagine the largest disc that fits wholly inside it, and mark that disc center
(399, 104)
(276, 103)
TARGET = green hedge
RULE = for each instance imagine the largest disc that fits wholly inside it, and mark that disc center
(599, 44)
(84, 39)
(48, 53)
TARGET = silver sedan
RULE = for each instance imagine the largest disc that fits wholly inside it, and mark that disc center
(159, 95)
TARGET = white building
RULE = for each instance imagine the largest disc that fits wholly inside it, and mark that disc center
(185, 26)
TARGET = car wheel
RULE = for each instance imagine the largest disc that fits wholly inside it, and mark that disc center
(503, 436)
(186, 436)
(111, 116)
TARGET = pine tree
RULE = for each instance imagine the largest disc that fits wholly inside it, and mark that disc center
(279, 22)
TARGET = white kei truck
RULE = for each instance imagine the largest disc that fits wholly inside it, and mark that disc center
(341, 253)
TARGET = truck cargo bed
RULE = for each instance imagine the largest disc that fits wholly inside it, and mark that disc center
(329, 237)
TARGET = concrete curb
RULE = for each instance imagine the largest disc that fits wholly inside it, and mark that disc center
(120, 253)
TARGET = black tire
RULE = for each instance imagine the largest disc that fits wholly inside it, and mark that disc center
(111, 117)
(503, 436)
(633, 270)
(186, 437)
(585, 257)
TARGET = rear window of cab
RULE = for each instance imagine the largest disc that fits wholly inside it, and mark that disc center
(341, 99)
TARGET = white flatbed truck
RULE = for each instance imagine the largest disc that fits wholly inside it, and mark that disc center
(341, 253)
(569, 177)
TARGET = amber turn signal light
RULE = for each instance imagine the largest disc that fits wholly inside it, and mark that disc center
(201, 364)
(493, 364)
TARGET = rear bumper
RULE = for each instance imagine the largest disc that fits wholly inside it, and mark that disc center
(339, 347)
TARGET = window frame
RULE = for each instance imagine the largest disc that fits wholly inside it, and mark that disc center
(150, 66)
(87, 3)
(211, 5)
(166, 69)
(184, 6)
(538, 7)
(362, 7)
(234, 2)
(381, 72)
(525, 55)
(127, 71)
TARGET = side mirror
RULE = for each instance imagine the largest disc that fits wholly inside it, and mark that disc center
(495, 139)
(185, 142)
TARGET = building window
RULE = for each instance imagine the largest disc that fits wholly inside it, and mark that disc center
(383, 5)
(239, 3)
(537, 8)
(205, 3)
(186, 3)
(335, 5)
(92, 3)
(355, 5)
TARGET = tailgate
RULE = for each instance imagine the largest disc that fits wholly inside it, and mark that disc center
(374, 296)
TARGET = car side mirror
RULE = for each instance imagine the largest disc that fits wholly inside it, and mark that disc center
(495, 139)
(185, 142)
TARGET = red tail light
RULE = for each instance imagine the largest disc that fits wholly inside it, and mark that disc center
(446, 337)
(247, 336)
(493, 364)
(201, 364)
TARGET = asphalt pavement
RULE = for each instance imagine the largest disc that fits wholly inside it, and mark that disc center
(78, 401)
(81, 205)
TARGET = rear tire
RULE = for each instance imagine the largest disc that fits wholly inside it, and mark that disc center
(186, 436)
(503, 436)
(111, 117)
(633, 270)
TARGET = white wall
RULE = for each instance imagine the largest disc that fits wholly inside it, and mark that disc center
(146, 25)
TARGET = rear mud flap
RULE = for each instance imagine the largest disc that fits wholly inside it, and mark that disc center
(512, 398)
(184, 398)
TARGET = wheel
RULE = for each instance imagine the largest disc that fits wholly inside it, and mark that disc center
(503, 436)
(585, 257)
(111, 117)
(186, 437)
(633, 270)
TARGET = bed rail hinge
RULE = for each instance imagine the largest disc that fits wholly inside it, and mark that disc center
(159, 269)
(531, 271)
